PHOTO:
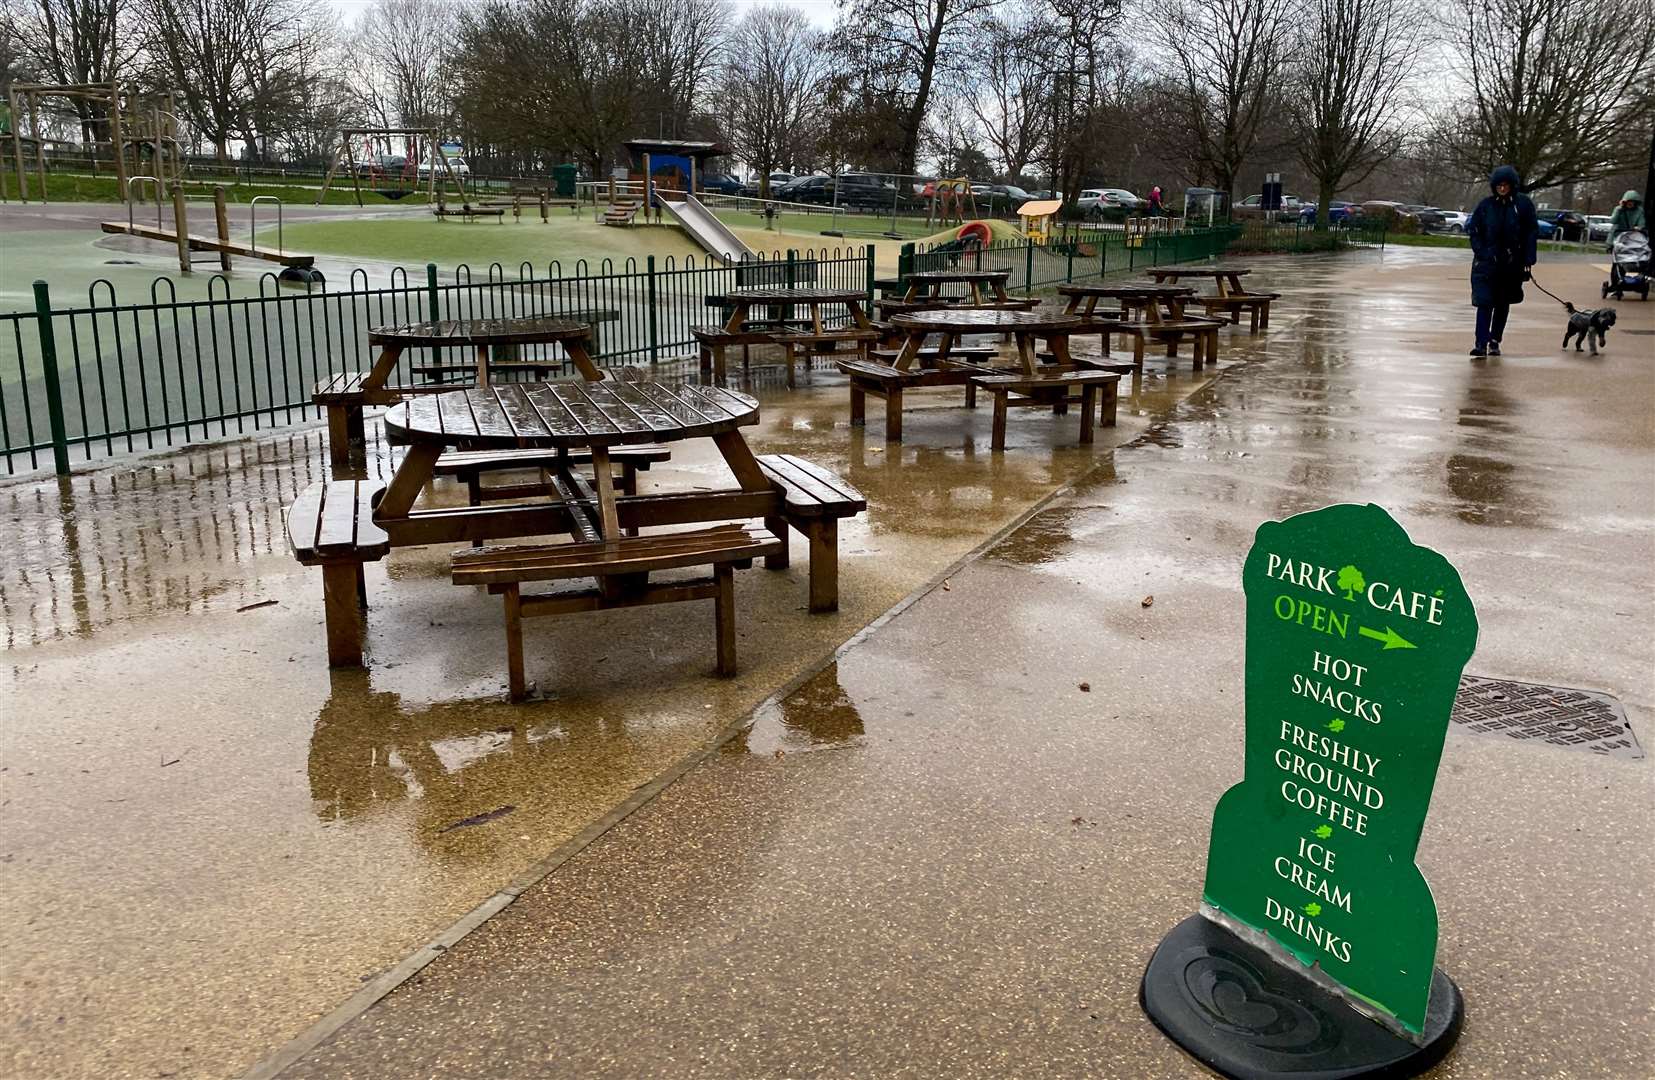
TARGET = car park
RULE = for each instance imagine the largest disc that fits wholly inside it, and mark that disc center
(1338, 212)
(719, 184)
(1567, 225)
(1597, 226)
(861, 189)
(456, 165)
(1253, 207)
(1454, 221)
(753, 187)
(1429, 217)
(806, 189)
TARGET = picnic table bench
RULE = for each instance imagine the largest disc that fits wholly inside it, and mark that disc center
(343, 524)
(1048, 388)
(742, 328)
(1231, 298)
(344, 396)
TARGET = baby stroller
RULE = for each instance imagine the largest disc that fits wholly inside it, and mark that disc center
(1629, 265)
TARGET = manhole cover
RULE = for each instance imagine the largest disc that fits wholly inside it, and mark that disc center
(1557, 715)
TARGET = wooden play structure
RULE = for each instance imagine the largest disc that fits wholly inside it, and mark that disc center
(1036, 217)
(295, 268)
(129, 131)
(419, 144)
(950, 202)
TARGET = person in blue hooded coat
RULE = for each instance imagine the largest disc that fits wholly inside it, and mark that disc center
(1503, 234)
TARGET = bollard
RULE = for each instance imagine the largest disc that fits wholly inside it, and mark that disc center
(54, 388)
(180, 223)
(221, 217)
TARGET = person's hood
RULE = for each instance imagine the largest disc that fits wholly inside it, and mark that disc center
(1632, 197)
(1508, 174)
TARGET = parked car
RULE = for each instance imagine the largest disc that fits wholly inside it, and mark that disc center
(1107, 202)
(806, 189)
(1597, 226)
(861, 189)
(1547, 227)
(1454, 220)
(1429, 217)
(719, 184)
(1006, 197)
(753, 188)
(456, 165)
(1567, 225)
(1253, 207)
(1338, 212)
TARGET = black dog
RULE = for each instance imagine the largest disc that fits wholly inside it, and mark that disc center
(1588, 327)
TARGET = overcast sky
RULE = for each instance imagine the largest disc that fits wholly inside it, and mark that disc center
(820, 11)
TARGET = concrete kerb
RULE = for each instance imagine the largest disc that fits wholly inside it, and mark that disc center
(384, 984)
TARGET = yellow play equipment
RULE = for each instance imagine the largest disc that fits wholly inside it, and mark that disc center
(1037, 216)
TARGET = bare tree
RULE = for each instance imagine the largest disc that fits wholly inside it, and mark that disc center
(74, 41)
(1008, 89)
(1225, 63)
(680, 41)
(1561, 89)
(771, 84)
(211, 52)
(908, 44)
(1345, 99)
(406, 45)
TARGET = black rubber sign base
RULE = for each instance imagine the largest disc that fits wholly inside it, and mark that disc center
(1246, 1016)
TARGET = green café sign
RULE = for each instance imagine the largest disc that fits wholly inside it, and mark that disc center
(1355, 641)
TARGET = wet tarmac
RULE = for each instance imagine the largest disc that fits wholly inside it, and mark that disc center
(943, 856)
(210, 840)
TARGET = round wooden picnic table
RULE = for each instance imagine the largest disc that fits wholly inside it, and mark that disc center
(566, 415)
(741, 302)
(952, 323)
(482, 335)
(929, 283)
(1227, 278)
(1134, 297)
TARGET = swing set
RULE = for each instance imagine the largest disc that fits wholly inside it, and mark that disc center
(375, 145)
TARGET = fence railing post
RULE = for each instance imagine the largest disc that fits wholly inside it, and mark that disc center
(435, 312)
(905, 261)
(1069, 265)
(867, 253)
(54, 388)
(654, 329)
(1028, 266)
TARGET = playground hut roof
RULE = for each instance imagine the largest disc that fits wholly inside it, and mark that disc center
(700, 151)
(1039, 207)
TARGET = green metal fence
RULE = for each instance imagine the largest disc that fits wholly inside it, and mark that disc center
(105, 377)
(1074, 255)
(1297, 237)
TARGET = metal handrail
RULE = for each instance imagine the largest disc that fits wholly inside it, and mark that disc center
(136, 179)
(253, 221)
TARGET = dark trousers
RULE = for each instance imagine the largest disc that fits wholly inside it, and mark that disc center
(1491, 323)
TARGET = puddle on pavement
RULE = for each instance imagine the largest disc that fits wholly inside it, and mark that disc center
(235, 817)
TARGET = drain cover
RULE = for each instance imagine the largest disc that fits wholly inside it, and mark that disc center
(1557, 715)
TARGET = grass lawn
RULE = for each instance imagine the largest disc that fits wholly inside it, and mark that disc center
(416, 240)
(1441, 240)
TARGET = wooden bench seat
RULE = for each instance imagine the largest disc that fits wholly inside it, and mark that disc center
(344, 397)
(1203, 333)
(712, 341)
(887, 382)
(469, 466)
(1050, 388)
(813, 501)
(795, 343)
(630, 559)
(331, 525)
(468, 212)
(1257, 306)
(928, 355)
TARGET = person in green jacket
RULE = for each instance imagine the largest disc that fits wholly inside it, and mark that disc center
(1628, 215)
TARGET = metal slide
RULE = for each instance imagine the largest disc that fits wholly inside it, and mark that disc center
(706, 229)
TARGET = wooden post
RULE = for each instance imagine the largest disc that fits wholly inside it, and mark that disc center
(181, 226)
(17, 144)
(39, 142)
(647, 188)
(118, 137)
(221, 216)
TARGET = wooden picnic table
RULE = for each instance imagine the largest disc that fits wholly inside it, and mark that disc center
(1137, 299)
(1227, 278)
(481, 335)
(1025, 327)
(742, 301)
(566, 416)
(927, 285)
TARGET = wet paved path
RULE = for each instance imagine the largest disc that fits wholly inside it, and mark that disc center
(207, 841)
(941, 858)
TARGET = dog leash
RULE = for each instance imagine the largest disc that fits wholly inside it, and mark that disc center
(1543, 289)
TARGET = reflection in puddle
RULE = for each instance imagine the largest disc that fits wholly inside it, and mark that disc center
(817, 716)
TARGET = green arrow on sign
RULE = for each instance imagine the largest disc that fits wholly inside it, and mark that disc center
(1391, 638)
